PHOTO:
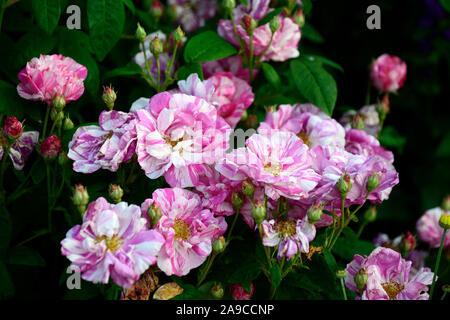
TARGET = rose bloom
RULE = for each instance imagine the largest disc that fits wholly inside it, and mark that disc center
(50, 147)
(12, 127)
(368, 115)
(192, 14)
(105, 146)
(112, 242)
(20, 149)
(179, 136)
(280, 163)
(239, 293)
(312, 128)
(188, 229)
(430, 231)
(285, 41)
(49, 76)
(231, 64)
(359, 142)
(291, 236)
(388, 73)
(388, 277)
(230, 95)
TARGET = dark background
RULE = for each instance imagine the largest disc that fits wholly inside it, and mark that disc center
(416, 31)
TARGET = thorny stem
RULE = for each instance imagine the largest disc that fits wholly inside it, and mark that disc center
(3, 165)
(49, 201)
(232, 226)
(436, 268)
(361, 228)
(205, 271)
(250, 58)
(169, 79)
(158, 71)
(44, 130)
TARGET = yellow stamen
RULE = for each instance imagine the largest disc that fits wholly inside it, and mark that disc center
(113, 243)
(286, 228)
(392, 289)
(181, 229)
(304, 136)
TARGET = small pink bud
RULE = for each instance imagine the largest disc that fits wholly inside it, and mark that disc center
(50, 147)
(408, 242)
(156, 9)
(239, 293)
(249, 24)
(109, 97)
(12, 127)
(299, 18)
(388, 73)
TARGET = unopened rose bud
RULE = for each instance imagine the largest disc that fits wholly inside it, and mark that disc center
(341, 274)
(50, 147)
(140, 33)
(229, 4)
(156, 47)
(239, 293)
(244, 115)
(237, 200)
(12, 127)
(217, 291)
(361, 279)
(57, 116)
(115, 193)
(154, 214)
(59, 102)
(446, 203)
(178, 35)
(444, 221)
(259, 212)
(299, 18)
(156, 9)
(218, 245)
(371, 214)
(358, 123)
(344, 185)
(249, 24)
(372, 182)
(80, 197)
(68, 124)
(109, 96)
(408, 242)
(315, 212)
(388, 73)
(248, 189)
(274, 24)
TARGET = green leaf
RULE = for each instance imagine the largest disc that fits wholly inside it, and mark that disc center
(310, 33)
(244, 2)
(271, 75)
(307, 6)
(130, 5)
(106, 20)
(445, 4)
(131, 69)
(269, 16)
(5, 230)
(10, 101)
(186, 70)
(38, 171)
(25, 256)
(323, 60)
(444, 147)
(47, 13)
(330, 261)
(275, 275)
(7, 285)
(190, 292)
(315, 84)
(245, 274)
(207, 46)
(390, 138)
(346, 247)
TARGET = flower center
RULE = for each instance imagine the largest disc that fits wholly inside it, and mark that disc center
(109, 135)
(304, 136)
(113, 243)
(273, 169)
(392, 289)
(286, 228)
(181, 229)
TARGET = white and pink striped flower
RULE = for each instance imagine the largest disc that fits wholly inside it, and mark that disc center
(280, 163)
(179, 136)
(188, 229)
(105, 146)
(112, 243)
(429, 229)
(388, 73)
(49, 76)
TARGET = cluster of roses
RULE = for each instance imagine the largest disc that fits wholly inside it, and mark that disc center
(296, 173)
